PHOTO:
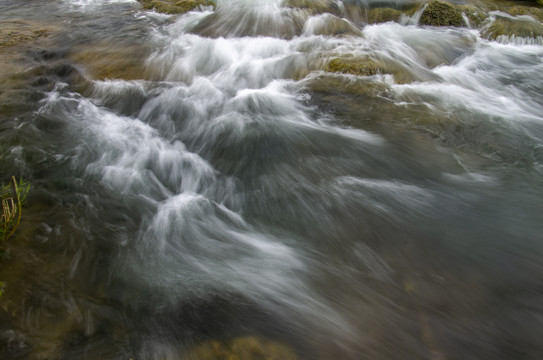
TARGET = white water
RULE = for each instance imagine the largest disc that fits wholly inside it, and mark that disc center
(338, 213)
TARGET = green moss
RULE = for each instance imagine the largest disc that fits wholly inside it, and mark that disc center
(363, 66)
(354, 66)
(173, 6)
(439, 13)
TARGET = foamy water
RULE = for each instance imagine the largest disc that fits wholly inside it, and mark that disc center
(233, 187)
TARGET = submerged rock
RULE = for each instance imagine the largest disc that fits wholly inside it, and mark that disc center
(17, 38)
(242, 348)
(439, 13)
(314, 6)
(382, 15)
(330, 25)
(379, 12)
(106, 61)
(174, 6)
(16, 32)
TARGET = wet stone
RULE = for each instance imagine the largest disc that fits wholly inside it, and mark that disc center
(441, 14)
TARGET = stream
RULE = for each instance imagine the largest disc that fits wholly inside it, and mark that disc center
(202, 178)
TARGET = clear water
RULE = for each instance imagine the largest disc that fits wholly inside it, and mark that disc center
(231, 187)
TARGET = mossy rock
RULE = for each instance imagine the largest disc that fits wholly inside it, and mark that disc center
(363, 66)
(174, 7)
(332, 85)
(439, 13)
(242, 348)
(353, 66)
(507, 28)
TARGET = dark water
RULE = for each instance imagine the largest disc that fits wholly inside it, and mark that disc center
(200, 178)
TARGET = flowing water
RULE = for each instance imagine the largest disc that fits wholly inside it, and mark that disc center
(200, 177)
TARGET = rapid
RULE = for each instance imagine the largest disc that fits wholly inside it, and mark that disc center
(202, 178)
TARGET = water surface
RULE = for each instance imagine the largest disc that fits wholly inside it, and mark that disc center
(201, 177)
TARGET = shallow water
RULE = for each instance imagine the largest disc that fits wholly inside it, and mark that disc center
(200, 177)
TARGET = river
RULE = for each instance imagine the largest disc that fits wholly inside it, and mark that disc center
(202, 178)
